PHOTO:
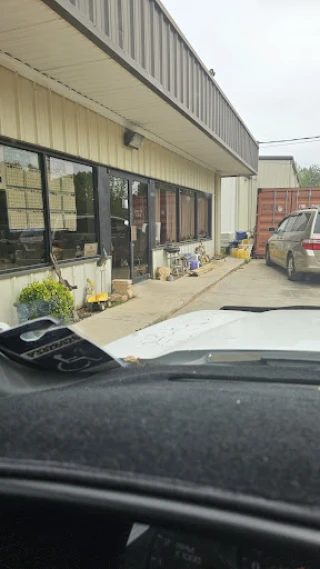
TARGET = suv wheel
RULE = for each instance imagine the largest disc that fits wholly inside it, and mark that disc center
(268, 260)
(291, 270)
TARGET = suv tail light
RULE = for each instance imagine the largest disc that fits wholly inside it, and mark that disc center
(311, 244)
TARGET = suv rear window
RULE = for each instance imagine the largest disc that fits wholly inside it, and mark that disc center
(302, 221)
(291, 222)
(317, 224)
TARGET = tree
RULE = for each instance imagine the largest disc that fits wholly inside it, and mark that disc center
(310, 177)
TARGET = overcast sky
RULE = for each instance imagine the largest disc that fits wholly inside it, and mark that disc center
(266, 55)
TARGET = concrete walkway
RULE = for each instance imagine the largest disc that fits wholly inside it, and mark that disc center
(154, 301)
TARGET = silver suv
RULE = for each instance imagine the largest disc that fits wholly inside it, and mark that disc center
(295, 245)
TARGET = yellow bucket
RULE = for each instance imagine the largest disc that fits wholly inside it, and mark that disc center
(244, 254)
(234, 252)
(245, 242)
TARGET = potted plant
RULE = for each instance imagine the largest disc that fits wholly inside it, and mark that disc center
(45, 298)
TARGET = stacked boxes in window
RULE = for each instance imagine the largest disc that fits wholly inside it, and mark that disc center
(55, 201)
(55, 184)
(70, 220)
(56, 220)
(69, 210)
(18, 219)
(67, 183)
(36, 219)
(32, 179)
(34, 199)
(16, 198)
(14, 176)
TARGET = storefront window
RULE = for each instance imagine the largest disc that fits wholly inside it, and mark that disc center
(165, 214)
(21, 209)
(72, 210)
(187, 215)
(203, 216)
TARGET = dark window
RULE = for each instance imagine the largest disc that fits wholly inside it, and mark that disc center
(187, 215)
(204, 203)
(72, 209)
(317, 224)
(302, 221)
(120, 227)
(165, 214)
(290, 224)
(21, 209)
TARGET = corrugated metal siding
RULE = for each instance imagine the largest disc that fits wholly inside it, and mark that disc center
(144, 32)
(277, 174)
(31, 113)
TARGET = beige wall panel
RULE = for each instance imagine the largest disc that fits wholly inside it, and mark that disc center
(71, 130)
(103, 133)
(34, 114)
(83, 131)
(42, 116)
(27, 109)
(57, 117)
(8, 111)
(94, 151)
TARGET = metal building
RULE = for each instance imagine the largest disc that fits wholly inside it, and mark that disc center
(113, 135)
(239, 195)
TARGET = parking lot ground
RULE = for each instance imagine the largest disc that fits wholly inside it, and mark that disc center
(255, 284)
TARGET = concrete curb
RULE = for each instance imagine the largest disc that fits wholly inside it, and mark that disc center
(195, 296)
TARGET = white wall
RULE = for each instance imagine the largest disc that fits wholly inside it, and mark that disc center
(228, 205)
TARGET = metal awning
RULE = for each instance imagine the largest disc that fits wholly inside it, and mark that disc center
(50, 45)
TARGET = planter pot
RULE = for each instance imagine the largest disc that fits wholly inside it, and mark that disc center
(32, 310)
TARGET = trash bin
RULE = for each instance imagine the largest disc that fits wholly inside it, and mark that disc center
(241, 235)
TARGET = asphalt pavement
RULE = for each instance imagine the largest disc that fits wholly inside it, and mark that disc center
(255, 284)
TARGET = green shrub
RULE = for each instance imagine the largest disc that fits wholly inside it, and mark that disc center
(46, 298)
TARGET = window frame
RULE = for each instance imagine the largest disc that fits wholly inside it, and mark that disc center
(95, 207)
(43, 155)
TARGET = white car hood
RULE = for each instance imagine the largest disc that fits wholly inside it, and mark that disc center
(296, 330)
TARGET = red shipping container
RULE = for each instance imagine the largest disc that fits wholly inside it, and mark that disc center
(275, 204)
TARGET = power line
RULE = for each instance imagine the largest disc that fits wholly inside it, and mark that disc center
(281, 144)
(301, 139)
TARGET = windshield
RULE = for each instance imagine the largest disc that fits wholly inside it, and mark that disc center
(160, 175)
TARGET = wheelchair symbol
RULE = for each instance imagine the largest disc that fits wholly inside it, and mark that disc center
(73, 364)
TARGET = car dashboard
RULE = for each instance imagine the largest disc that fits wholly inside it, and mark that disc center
(41, 538)
(156, 548)
(159, 469)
